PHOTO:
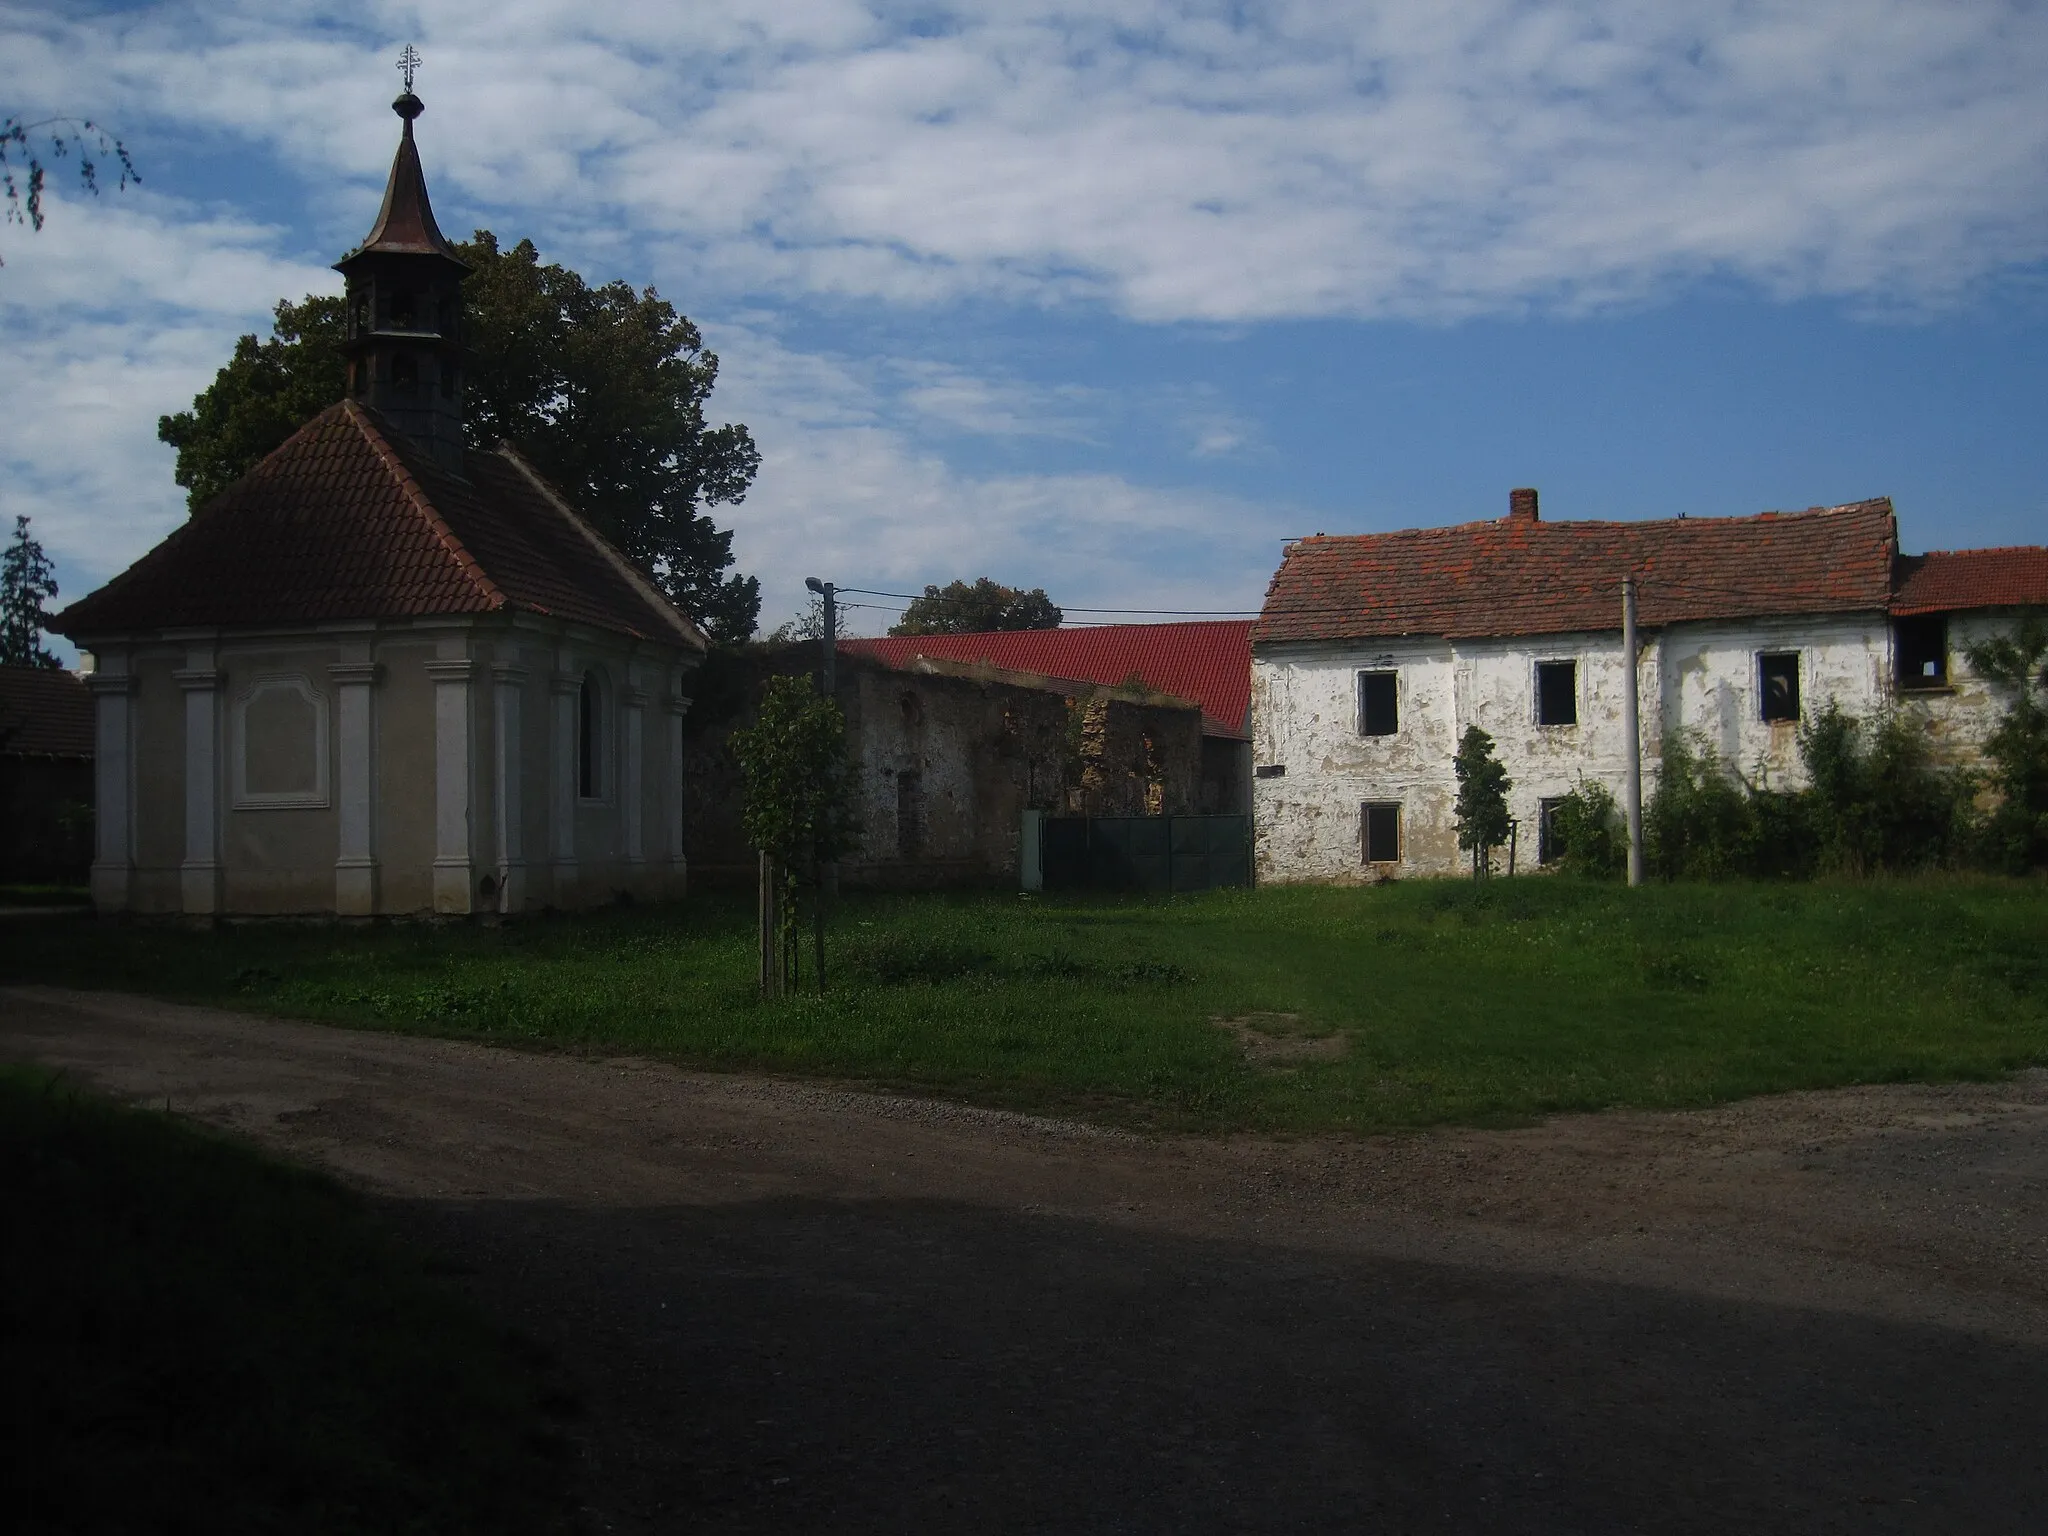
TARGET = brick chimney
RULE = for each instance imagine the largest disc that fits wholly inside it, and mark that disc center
(1522, 505)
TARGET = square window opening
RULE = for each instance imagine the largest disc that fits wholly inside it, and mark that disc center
(1379, 705)
(1557, 693)
(1778, 680)
(1380, 830)
(1921, 646)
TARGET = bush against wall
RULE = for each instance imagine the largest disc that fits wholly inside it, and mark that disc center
(1699, 823)
(2016, 833)
(1876, 802)
(1588, 833)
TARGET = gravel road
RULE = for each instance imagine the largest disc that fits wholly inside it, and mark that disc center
(793, 1307)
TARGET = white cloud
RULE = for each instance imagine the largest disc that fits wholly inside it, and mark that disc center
(846, 493)
(116, 313)
(1216, 162)
(1202, 161)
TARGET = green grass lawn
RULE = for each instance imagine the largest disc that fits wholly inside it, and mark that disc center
(1454, 1001)
(199, 1338)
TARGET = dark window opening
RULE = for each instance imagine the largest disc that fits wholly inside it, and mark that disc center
(1557, 693)
(402, 311)
(447, 318)
(1921, 645)
(913, 710)
(1381, 832)
(447, 380)
(1779, 678)
(909, 813)
(586, 739)
(405, 374)
(1549, 836)
(1379, 709)
(1270, 771)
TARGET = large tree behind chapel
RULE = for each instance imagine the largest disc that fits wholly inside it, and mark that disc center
(603, 388)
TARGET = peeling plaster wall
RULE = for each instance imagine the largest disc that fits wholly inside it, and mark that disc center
(1702, 678)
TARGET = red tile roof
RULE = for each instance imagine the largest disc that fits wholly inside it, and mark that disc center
(1209, 662)
(1521, 576)
(1947, 579)
(350, 520)
(44, 712)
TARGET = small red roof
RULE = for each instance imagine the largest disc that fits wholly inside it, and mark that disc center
(1207, 661)
(44, 712)
(350, 519)
(1946, 579)
(1522, 576)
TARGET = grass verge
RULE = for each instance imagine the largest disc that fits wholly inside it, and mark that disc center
(1431, 1001)
(200, 1338)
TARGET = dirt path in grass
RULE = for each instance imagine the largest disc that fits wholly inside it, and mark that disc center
(792, 1307)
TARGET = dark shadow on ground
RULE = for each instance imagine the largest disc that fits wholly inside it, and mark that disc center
(798, 1365)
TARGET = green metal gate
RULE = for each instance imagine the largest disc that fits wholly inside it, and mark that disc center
(1135, 853)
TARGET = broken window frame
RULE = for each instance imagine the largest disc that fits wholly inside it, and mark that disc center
(1389, 812)
(1917, 640)
(1783, 665)
(1545, 696)
(1549, 846)
(1385, 720)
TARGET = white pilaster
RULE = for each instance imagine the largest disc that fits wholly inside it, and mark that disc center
(509, 681)
(454, 860)
(632, 712)
(355, 864)
(113, 864)
(563, 689)
(199, 881)
(677, 704)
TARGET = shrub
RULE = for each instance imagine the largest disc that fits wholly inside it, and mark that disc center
(1587, 832)
(1701, 823)
(1876, 801)
(2016, 835)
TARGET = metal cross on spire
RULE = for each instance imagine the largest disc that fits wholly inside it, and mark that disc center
(408, 61)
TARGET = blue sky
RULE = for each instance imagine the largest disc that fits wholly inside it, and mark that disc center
(1113, 297)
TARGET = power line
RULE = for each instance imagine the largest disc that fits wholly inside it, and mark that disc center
(1219, 613)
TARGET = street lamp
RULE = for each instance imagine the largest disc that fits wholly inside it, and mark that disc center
(830, 670)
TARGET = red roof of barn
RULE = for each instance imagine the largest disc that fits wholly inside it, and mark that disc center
(1208, 661)
(1521, 576)
(44, 712)
(1945, 579)
(349, 519)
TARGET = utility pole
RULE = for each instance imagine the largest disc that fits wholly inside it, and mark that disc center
(828, 684)
(829, 681)
(1631, 727)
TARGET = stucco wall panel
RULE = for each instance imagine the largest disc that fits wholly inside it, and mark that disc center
(405, 778)
(159, 726)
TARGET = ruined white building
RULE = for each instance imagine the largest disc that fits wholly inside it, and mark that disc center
(1373, 654)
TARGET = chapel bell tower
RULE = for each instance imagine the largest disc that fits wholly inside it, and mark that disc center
(403, 327)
